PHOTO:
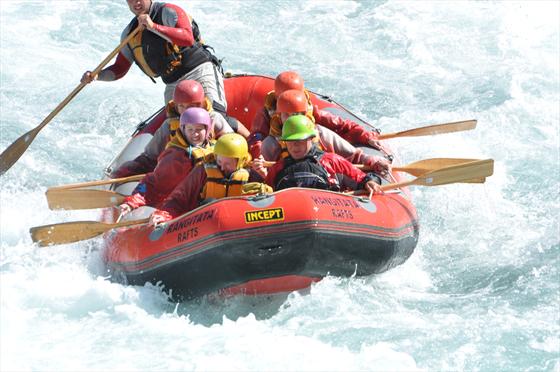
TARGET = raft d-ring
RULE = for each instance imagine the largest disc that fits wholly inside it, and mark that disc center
(367, 204)
(158, 232)
(261, 200)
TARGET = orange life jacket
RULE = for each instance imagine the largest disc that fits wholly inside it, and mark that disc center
(197, 154)
(218, 186)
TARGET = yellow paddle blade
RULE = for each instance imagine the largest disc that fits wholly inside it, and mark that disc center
(458, 173)
(70, 232)
(474, 170)
(82, 198)
(474, 180)
(421, 167)
(16, 149)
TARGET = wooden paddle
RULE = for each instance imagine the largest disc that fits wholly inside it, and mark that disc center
(82, 198)
(417, 168)
(70, 232)
(11, 155)
(432, 129)
(111, 181)
(479, 169)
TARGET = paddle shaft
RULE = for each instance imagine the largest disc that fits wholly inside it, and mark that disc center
(11, 155)
(432, 130)
(137, 177)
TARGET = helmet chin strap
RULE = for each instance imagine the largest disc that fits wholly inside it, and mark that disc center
(243, 161)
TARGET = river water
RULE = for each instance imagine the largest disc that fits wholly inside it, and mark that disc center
(481, 291)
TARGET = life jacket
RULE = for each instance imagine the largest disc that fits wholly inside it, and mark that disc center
(306, 172)
(158, 57)
(218, 186)
(173, 116)
(275, 119)
(197, 154)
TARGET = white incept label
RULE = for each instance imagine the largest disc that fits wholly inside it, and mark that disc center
(429, 180)
(113, 199)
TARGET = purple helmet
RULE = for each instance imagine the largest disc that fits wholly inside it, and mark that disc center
(196, 115)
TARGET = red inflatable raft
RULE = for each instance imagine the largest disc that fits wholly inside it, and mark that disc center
(263, 244)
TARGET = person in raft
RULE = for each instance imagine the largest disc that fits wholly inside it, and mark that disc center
(168, 46)
(222, 175)
(294, 102)
(308, 166)
(189, 147)
(268, 122)
(188, 93)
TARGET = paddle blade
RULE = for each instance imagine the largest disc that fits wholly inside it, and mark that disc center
(471, 172)
(71, 232)
(475, 180)
(457, 173)
(418, 168)
(431, 130)
(82, 198)
(11, 155)
(64, 233)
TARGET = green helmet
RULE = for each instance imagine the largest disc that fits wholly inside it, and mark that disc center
(297, 128)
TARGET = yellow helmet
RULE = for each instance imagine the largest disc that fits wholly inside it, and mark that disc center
(233, 145)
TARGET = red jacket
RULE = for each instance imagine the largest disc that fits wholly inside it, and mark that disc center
(346, 128)
(185, 197)
(172, 167)
(340, 171)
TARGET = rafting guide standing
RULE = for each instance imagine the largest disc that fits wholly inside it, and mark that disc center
(169, 46)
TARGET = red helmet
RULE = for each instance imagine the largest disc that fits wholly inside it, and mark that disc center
(292, 101)
(188, 91)
(287, 80)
